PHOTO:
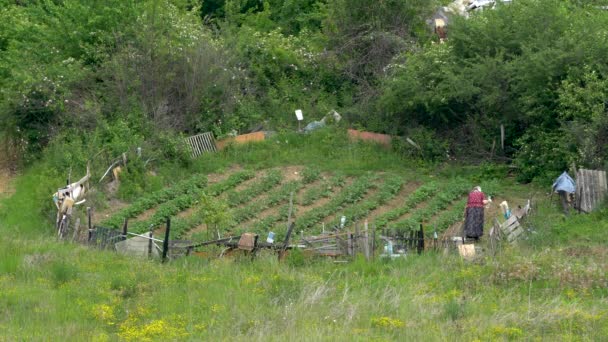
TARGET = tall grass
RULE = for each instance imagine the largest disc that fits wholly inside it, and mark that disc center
(55, 291)
(551, 286)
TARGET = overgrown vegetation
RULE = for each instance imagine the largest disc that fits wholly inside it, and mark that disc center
(91, 82)
(112, 76)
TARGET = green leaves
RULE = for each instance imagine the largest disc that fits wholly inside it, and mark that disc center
(449, 192)
(349, 195)
(187, 200)
(418, 196)
(153, 199)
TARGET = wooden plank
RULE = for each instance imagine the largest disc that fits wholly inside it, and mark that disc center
(580, 190)
(192, 148)
(213, 142)
(590, 190)
(209, 140)
(202, 142)
(189, 143)
(192, 142)
(198, 146)
(512, 237)
(510, 220)
(509, 229)
(203, 138)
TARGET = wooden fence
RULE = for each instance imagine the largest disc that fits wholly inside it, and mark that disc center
(591, 189)
(201, 143)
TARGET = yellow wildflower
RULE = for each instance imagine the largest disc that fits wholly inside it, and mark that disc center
(387, 322)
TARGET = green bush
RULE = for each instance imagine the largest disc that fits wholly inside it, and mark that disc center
(542, 156)
(431, 147)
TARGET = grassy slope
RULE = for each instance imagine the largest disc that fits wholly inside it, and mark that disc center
(552, 286)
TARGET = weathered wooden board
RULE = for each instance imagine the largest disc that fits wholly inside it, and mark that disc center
(201, 143)
(591, 189)
(511, 228)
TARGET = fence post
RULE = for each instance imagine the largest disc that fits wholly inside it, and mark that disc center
(421, 240)
(89, 224)
(435, 237)
(166, 241)
(374, 242)
(366, 241)
(76, 230)
(357, 241)
(150, 242)
(125, 229)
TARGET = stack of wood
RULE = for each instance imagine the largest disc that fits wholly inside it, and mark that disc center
(511, 228)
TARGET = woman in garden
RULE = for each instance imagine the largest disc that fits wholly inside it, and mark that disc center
(473, 215)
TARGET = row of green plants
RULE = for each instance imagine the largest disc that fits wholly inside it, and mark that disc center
(270, 180)
(323, 190)
(151, 200)
(386, 191)
(189, 199)
(447, 218)
(310, 174)
(271, 220)
(182, 226)
(449, 193)
(420, 195)
(274, 198)
(310, 196)
(349, 195)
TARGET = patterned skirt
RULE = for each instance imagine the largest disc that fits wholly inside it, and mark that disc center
(473, 224)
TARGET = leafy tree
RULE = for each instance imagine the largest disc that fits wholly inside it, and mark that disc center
(504, 66)
(365, 35)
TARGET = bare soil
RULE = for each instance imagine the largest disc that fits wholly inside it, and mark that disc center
(396, 202)
(412, 211)
(146, 214)
(292, 173)
(114, 205)
(244, 185)
(218, 177)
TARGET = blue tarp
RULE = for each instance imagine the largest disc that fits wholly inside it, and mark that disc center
(564, 183)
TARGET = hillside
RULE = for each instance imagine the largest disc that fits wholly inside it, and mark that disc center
(506, 96)
(550, 286)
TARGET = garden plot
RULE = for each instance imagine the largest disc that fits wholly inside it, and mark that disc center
(259, 202)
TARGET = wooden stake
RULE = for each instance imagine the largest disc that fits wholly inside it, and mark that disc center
(76, 229)
(374, 242)
(89, 224)
(421, 240)
(356, 240)
(366, 240)
(151, 235)
(290, 209)
(125, 228)
(166, 241)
